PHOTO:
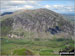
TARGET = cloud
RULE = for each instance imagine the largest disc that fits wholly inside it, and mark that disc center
(13, 5)
(28, 6)
(47, 6)
(18, 2)
(70, 8)
(58, 6)
(61, 7)
(64, 8)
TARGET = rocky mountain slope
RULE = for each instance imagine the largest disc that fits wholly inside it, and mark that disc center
(41, 21)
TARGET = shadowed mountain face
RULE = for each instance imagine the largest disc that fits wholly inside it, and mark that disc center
(38, 20)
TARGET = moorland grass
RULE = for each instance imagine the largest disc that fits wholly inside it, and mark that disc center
(19, 46)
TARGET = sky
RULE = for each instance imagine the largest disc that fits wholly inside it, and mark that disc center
(59, 6)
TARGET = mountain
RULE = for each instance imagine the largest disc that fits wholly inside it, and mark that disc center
(6, 13)
(41, 23)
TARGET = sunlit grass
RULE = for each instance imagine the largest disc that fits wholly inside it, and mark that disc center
(12, 45)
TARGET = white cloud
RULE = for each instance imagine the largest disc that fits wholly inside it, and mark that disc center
(23, 2)
(70, 8)
(58, 7)
(32, 1)
(18, 2)
(28, 7)
(47, 6)
(63, 8)
(13, 5)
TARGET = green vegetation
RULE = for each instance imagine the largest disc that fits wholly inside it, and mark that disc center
(6, 26)
(46, 52)
(19, 52)
(42, 47)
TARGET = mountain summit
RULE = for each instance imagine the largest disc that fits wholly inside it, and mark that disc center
(39, 21)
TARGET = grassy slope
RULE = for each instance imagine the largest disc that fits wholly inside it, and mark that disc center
(42, 47)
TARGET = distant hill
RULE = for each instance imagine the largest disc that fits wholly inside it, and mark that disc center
(69, 16)
(38, 21)
(6, 13)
